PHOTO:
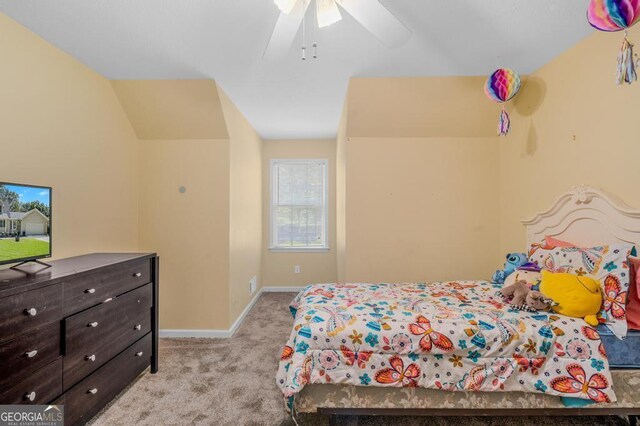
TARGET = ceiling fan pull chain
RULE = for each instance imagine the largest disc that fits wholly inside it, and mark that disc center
(315, 32)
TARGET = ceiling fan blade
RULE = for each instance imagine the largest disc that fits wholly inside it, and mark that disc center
(285, 31)
(378, 20)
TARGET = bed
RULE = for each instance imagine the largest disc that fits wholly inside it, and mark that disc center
(372, 348)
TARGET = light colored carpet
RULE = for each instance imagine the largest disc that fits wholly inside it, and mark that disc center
(232, 382)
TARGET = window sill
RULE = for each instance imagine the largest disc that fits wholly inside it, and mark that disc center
(298, 250)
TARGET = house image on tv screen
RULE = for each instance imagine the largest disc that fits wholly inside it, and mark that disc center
(30, 223)
(25, 222)
(22, 213)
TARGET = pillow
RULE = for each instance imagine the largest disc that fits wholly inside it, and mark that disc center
(552, 242)
(633, 300)
(576, 296)
(549, 243)
(605, 263)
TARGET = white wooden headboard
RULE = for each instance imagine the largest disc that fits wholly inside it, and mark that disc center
(587, 217)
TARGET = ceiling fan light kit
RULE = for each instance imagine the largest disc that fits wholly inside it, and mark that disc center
(371, 14)
(286, 6)
(327, 13)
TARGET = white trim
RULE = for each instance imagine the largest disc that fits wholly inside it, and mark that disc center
(299, 250)
(243, 314)
(214, 334)
(282, 289)
(225, 334)
(209, 334)
(325, 200)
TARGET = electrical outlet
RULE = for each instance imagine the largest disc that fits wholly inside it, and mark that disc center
(253, 284)
(296, 269)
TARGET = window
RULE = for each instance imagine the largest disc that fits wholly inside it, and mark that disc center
(2, 225)
(299, 205)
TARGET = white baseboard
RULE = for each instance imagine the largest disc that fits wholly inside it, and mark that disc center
(225, 334)
(282, 289)
(214, 334)
(209, 334)
(244, 313)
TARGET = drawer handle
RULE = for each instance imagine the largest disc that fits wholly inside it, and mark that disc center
(93, 324)
(108, 300)
(31, 396)
(90, 290)
(90, 358)
(138, 327)
(139, 353)
(32, 312)
(137, 274)
(93, 391)
(31, 354)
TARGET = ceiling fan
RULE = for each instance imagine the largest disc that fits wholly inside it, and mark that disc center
(371, 14)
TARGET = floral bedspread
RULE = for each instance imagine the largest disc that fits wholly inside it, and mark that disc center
(456, 336)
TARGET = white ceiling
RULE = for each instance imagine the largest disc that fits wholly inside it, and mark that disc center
(289, 98)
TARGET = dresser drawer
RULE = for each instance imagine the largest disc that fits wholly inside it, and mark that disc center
(20, 357)
(83, 362)
(40, 388)
(31, 309)
(86, 399)
(94, 336)
(89, 289)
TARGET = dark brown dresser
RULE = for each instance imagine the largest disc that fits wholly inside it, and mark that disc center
(79, 332)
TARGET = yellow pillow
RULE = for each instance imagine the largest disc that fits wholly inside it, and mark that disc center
(577, 296)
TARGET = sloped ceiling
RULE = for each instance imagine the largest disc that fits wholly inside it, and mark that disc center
(288, 98)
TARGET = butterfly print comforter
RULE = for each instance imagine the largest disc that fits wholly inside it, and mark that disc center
(456, 336)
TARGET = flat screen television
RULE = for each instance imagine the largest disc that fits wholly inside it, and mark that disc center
(25, 222)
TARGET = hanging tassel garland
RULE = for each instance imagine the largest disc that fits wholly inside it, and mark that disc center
(626, 64)
(501, 87)
(505, 123)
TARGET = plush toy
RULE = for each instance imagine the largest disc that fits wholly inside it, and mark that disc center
(514, 260)
(521, 297)
(531, 277)
(529, 266)
(577, 296)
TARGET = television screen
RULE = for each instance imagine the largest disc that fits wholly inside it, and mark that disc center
(25, 222)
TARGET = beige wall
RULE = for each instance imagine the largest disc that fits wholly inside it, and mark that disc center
(245, 207)
(320, 267)
(421, 209)
(341, 196)
(418, 187)
(190, 230)
(68, 130)
(420, 107)
(571, 125)
(172, 109)
(209, 238)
